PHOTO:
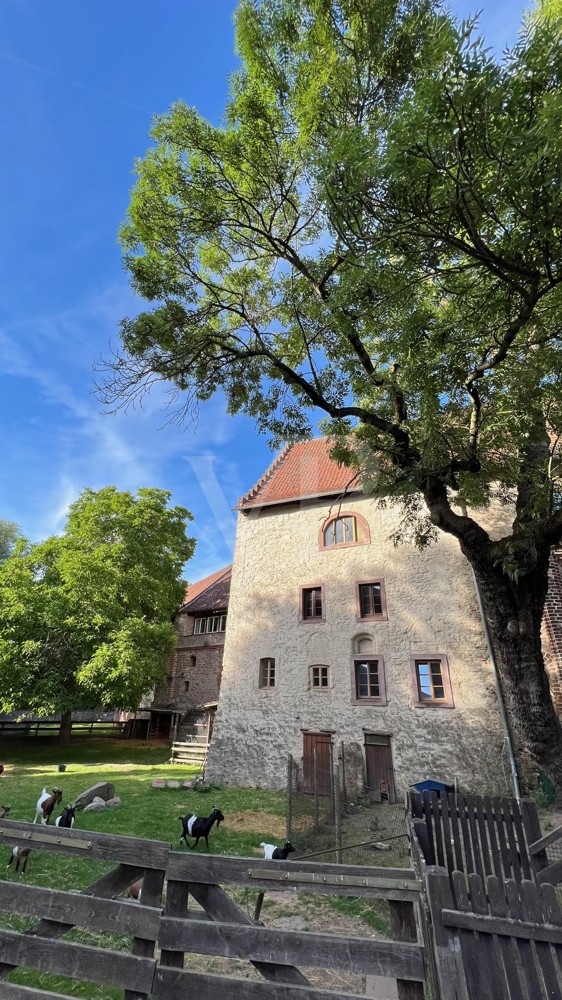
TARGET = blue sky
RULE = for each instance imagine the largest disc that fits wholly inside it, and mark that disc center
(80, 82)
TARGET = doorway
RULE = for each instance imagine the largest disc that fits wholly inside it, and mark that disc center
(380, 771)
(317, 745)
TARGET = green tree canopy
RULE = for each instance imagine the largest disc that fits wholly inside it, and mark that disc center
(374, 233)
(86, 617)
(9, 533)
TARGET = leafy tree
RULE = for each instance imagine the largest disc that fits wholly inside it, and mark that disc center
(85, 617)
(375, 233)
(9, 533)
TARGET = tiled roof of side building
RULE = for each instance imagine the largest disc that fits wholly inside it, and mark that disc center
(303, 470)
(209, 594)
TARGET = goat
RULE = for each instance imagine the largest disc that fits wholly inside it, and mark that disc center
(46, 803)
(66, 818)
(277, 853)
(4, 810)
(20, 854)
(135, 890)
(199, 826)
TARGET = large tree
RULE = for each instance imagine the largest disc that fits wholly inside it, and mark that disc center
(374, 233)
(86, 617)
(9, 534)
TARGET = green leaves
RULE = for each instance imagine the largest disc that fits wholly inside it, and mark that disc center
(85, 618)
(373, 233)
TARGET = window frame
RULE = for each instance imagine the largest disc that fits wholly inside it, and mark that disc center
(361, 530)
(319, 687)
(356, 699)
(381, 616)
(265, 670)
(419, 702)
(220, 618)
(317, 619)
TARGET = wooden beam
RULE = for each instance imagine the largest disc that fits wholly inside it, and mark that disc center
(550, 838)
(176, 984)
(78, 961)
(502, 925)
(360, 955)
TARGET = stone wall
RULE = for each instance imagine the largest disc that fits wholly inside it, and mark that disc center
(431, 608)
(195, 671)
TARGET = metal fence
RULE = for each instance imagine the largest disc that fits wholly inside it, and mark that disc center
(330, 817)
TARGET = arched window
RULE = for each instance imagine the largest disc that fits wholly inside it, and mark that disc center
(345, 529)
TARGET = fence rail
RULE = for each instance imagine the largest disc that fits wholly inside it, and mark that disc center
(220, 928)
(42, 727)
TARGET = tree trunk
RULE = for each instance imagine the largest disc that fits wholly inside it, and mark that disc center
(65, 729)
(514, 610)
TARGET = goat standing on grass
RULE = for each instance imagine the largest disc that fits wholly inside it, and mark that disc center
(20, 854)
(277, 853)
(46, 803)
(199, 826)
(66, 818)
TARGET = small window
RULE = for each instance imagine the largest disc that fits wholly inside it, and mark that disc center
(312, 604)
(371, 602)
(368, 680)
(200, 626)
(319, 677)
(186, 685)
(267, 672)
(432, 683)
(192, 661)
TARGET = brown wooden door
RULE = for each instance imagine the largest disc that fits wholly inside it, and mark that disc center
(322, 743)
(378, 760)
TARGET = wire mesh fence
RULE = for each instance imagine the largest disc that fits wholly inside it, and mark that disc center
(331, 817)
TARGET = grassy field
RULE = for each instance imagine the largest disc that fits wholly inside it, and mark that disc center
(251, 816)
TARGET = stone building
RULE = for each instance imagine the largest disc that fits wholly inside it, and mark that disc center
(336, 636)
(189, 696)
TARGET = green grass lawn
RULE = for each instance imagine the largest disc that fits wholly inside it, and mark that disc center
(251, 816)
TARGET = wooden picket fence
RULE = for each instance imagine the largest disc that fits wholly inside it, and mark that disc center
(495, 939)
(160, 938)
(475, 834)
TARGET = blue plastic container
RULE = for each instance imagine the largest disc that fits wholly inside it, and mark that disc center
(431, 785)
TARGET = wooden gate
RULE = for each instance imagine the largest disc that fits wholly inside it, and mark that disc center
(93, 909)
(199, 918)
(495, 939)
(317, 760)
(380, 770)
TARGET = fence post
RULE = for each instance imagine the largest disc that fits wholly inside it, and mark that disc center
(315, 782)
(343, 781)
(289, 795)
(403, 927)
(337, 812)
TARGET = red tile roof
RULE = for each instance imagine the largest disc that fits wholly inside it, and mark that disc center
(301, 470)
(210, 593)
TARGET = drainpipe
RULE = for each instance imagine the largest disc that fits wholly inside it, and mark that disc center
(499, 695)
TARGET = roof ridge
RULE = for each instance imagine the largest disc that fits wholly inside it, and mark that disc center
(267, 474)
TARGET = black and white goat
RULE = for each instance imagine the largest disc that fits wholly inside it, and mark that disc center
(277, 853)
(46, 803)
(199, 826)
(66, 818)
(19, 854)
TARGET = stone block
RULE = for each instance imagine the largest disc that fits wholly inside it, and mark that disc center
(104, 790)
(113, 803)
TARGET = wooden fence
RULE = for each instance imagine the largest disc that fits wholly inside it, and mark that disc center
(495, 939)
(217, 926)
(484, 835)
